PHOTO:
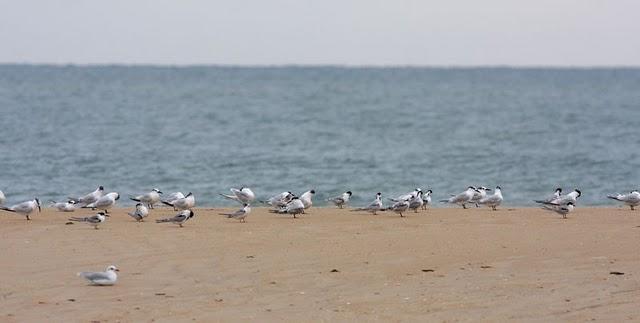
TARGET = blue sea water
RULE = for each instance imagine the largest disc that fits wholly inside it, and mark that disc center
(64, 130)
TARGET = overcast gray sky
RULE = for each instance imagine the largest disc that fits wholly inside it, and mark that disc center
(350, 32)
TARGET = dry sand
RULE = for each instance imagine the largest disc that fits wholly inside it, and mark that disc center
(437, 265)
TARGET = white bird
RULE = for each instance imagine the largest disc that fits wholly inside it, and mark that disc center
(416, 202)
(279, 200)
(68, 206)
(479, 194)
(407, 196)
(494, 200)
(104, 203)
(294, 207)
(139, 213)
(89, 198)
(566, 199)
(400, 206)
(24, 208)
(244, 195)
(240, 214)
(185, 203)
(306, 198)
(102, 278)
(2, 198)
(149, 199)
(94, 220)
(341, 200)
(374, 207)
(560, 209)
(553, 197)
(171, 198)
(462, 198)
(426, 198)
(179, 219)
(632, 199)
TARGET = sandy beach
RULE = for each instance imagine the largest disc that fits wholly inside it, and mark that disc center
(444, 264)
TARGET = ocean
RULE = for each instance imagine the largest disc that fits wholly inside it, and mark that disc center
(64, 130)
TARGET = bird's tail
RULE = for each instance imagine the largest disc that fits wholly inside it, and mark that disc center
(444, 201)
(163, 220)
(167, 203)
(231, 197)
(77, 219)
(613, 197)
(6, 209)
(134, 199)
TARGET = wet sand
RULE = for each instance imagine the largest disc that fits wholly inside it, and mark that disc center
(444, 264)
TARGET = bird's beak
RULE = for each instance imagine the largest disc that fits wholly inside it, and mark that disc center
(117, 269)
(159, 192)
(488, 189)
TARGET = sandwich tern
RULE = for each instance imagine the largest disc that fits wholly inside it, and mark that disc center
(306, 198)
(400, 206)
(185, 203)
(24, 208)
(553, 197)
(240, 214)
(494, 200)
(632, 199)
(416, 202)
(149, 199)
(462, 198)
(104, 203)
(560, 209)
(426, 198)
(480, 193)
(341, 200)
(279, 200)
(139, 213)
(179, 219)
(89, 198)
(244, 195)
(101, 278)
(564, 200)
(68, 206)
(294, 207)
(94, 220)
(374, 207)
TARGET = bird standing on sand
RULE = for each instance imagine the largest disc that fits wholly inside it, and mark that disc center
(480, 193)
(139, 213)
(149, 199)
(240, 214)
(89, 198)
(462, 198)
(426, 199)
(185, 203)
(306, 198)
(104, 203)
(553, 197)
(632, 199)
(101, 278)
(68, 206)
(560, 209)
(374, 207)
(24, 208)
(280, 200)
(494, 200)
(94, 220)
(244, 195)
(564, 200)
(179, 219)
(341, 200)
(400, 206)
(407, 196)
(294, 207)
(416, 202)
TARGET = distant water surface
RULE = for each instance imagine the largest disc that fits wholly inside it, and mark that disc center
(65, 130)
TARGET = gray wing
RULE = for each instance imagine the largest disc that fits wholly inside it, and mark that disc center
(489, 199)
(93, 276)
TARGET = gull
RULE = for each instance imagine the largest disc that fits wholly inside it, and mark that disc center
(560, 209)
(294, 207)
(462, 198)
(564, 200)
(341, 200)
(480, 193)
(306, 198)
(279, 200)
(69, 206)
(416, 202)
(185, 203)
(632, 199)
(240, 214)
(140, 212)
(492, 200)
(180, 218)
(374, 207)
(407, 196)
(149, 199)
(426, 198)
(2, 198)
(556, 195)
(104, 203)
(244, 195)
(89, 198)
(24, 208)
(94, 220)
(400, 207)
(101, 278)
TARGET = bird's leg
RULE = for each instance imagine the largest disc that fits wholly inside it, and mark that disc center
(464, 206)
(28, 218)
(631, 207)
(181, 225)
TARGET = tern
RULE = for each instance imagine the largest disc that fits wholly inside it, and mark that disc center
(560, 209)
(480, 193)
(139, 213)
(306, 198)
(341, 200)
(564, 200)
(280, 200)
(94, 220)
(240, 214)
(89, 198)
(244, 195)
(101, 278)
(494, 200)
(407, 196)
(294, 207)
(400, 206)
(462, 198)
(555, 196)
(24, 208)
(632, 199)
(179, 219)
(68, 206)
(374, 207)
(104, 203)
(171, 198)
(426, 199)
(185, 203)
(416, 202)
(149, 199)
